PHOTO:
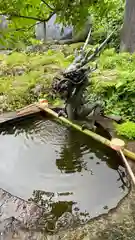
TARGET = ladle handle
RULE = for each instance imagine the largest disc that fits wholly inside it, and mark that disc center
(128, 167)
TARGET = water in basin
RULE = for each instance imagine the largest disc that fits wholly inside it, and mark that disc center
(50, 163)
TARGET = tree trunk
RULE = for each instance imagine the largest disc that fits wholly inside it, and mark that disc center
(128, 31)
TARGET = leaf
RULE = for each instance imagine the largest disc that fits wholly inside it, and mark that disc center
(119, 84)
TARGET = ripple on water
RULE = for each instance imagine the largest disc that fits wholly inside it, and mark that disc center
(61, 169)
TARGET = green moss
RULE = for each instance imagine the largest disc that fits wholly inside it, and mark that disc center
(20, 73)
(126, 129)
(16, 59)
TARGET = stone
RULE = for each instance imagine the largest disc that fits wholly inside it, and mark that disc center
(58, 33)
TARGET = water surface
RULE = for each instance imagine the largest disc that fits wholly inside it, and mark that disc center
(58, 166)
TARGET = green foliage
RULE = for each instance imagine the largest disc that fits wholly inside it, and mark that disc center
(34, 10)
(23, 16)
(115, 82)
(126, 129)
(107, 18)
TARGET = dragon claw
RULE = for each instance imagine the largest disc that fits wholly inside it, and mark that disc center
(61, 113)
(93, 127)
(84, 127)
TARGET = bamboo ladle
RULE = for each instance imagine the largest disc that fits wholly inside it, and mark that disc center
(118, 145)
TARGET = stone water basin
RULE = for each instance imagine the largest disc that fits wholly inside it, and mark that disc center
(60, 169)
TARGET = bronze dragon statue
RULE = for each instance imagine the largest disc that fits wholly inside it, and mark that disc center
(72, 86)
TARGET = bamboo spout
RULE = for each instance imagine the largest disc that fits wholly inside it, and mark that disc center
(93, 135)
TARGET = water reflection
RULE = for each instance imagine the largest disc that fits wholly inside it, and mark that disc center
(76, 145)
(61, 214)
(72, 174)
(70, 157)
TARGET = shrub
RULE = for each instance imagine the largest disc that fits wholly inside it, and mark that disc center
(126, 129)
(115, 82)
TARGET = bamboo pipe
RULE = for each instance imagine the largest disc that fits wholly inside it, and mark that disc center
(93, 135)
